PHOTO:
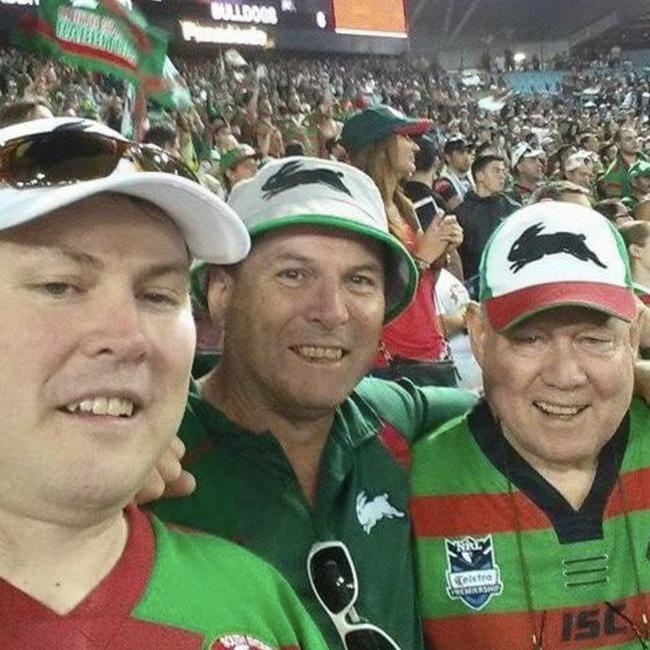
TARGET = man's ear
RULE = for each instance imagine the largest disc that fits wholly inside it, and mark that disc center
(220, 284)
(477, 328)
(635, 251)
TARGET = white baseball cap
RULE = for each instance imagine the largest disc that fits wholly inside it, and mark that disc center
(299, 191)
(213, 231)
(555, 254)
(524, 150)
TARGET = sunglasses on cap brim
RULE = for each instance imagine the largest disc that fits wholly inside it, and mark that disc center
(71, 155)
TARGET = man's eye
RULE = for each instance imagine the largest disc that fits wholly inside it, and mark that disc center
(58, 289)
(291, 274)
(363, 280)
(163, 299)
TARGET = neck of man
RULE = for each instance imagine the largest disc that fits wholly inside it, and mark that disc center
(642, 275)
(426, 178)
(628, 158)
(483, 191)
(529, 184)
(302, 434)
(58, 563)
(458, 174)
(572, 480)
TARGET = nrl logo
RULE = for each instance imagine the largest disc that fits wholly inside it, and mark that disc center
(370, 513)
(472, 574)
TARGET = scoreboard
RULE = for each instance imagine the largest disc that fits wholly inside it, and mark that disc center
(327, 25)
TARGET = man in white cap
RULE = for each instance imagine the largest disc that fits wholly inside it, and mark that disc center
(531, 513)
(97, 341)
(528, 168)
(290, 446)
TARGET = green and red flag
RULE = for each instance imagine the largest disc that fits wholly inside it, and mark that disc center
(100, 35)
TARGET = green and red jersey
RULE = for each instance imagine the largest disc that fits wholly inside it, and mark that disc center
(170, 590)
(501, 556)
(247, 491)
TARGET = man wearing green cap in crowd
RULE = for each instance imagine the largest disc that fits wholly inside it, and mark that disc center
(237, 164)
(532, 512)
(639, 186)
(296, 455)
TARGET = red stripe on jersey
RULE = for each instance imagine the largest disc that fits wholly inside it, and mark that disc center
(446, 516)
(567, 628)
(630, 494)
(396, 444)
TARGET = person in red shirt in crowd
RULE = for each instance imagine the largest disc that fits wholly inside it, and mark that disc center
(379, 142)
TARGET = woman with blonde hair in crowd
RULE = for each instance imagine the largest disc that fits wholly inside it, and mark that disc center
(379, 143)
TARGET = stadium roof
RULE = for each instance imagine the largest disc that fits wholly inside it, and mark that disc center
(501, 21)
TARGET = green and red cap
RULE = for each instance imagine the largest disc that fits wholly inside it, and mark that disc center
(378, 123)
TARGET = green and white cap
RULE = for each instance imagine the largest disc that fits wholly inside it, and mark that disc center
(554, 254)
(300, 191)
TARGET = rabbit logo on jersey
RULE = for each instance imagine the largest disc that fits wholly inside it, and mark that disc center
(472, 574)
(239, 642)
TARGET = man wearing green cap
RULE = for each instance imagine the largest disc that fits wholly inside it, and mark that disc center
(639, 186)
(289, 444)
(237, 164)
(531, 512)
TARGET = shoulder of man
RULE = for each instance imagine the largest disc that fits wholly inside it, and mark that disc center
(413, 410)
(198, 577)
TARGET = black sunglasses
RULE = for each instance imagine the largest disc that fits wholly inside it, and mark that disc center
(334, 580)
(71, 154)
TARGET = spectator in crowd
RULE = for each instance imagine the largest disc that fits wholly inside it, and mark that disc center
(481, 212)
(545, 516)
(238, 164)
(639, 186)
(616, 179)
(636, 235)
(418, 188)
(24, 110)
(579, 169)
(379, 143)
(94, 278)
(528, 172)
(165, 136)
(290, 446)
(565, 191)
(614, 210)
(455, 182)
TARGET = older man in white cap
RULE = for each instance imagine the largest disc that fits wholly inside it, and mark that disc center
(531, 513)
(97, 340)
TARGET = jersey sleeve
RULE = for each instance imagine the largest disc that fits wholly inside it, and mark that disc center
(415, 410)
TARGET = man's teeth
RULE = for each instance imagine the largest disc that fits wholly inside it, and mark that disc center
(312, 352)
(114, 406)
(556, 409)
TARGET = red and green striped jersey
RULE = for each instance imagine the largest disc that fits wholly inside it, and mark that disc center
(247, 491)
(501, 555)
(170, 590)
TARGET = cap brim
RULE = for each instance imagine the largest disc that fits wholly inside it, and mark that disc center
(212, 230)
(401, 277)
(414, 127)
(511, 309)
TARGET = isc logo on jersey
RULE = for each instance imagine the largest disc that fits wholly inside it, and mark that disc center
(472, 573)
(239, 642)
